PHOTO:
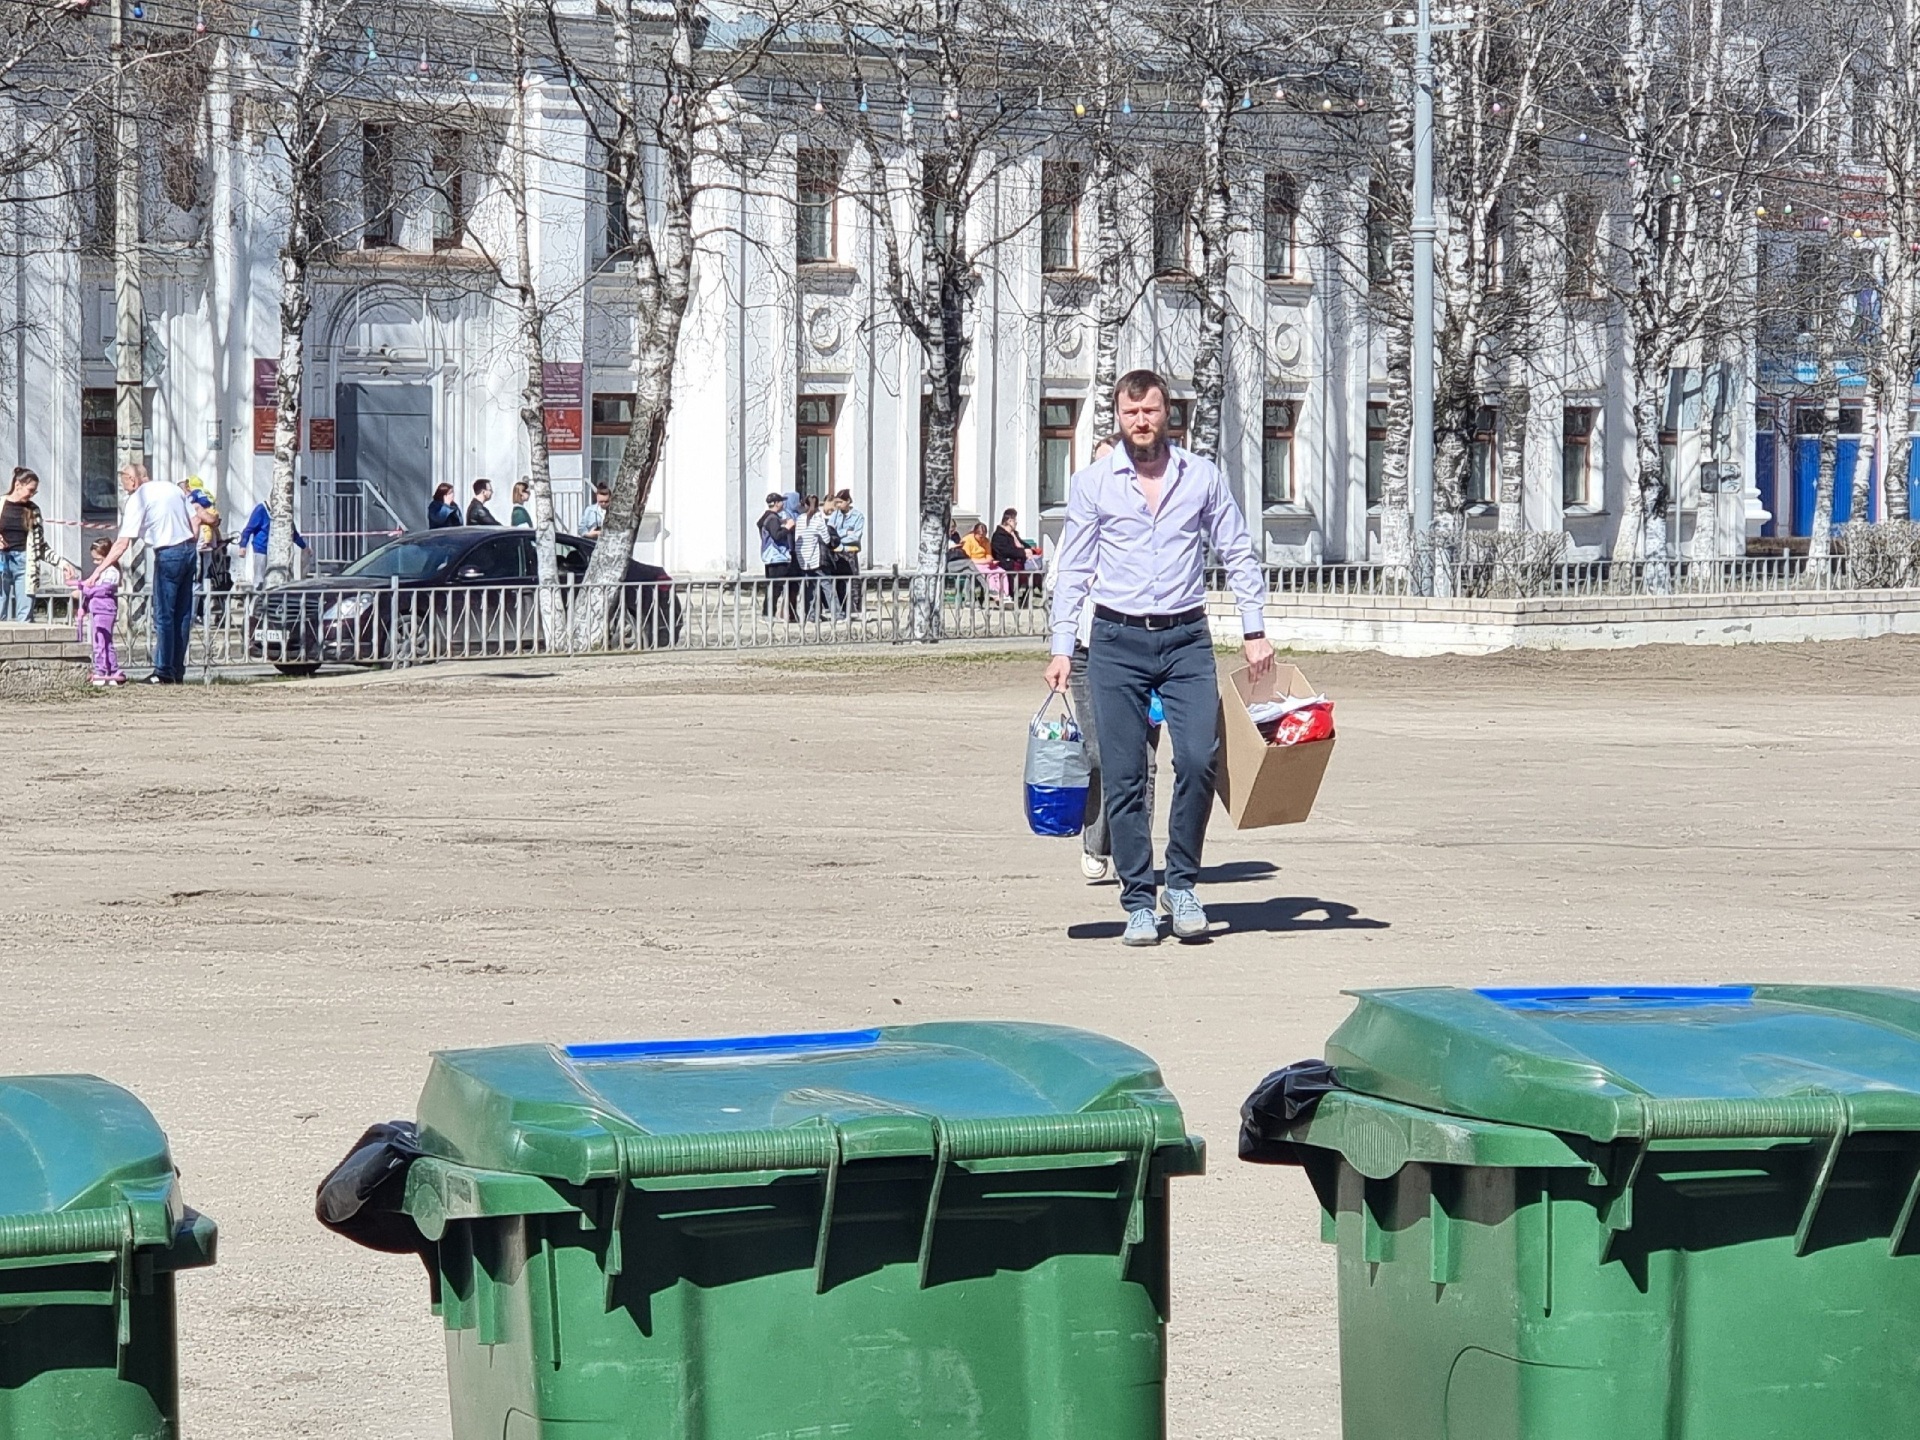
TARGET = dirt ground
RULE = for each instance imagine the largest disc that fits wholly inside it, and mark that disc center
(261, 906)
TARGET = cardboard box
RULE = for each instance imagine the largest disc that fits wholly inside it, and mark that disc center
(1262, 784)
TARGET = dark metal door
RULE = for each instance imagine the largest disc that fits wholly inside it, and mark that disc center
(385, 463)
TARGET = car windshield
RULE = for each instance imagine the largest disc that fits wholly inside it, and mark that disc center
(407, 559)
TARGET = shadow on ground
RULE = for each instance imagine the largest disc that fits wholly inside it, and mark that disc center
(1284, 914)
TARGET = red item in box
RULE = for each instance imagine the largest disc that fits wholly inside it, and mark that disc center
(1302, 726)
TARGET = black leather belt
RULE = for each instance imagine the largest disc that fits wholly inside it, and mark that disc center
(1151, 622)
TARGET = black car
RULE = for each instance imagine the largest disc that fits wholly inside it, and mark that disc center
(463, 591)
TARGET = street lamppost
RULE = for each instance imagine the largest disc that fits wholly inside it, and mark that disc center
(1423, 24)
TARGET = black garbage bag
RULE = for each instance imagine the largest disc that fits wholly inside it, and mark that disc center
(362, 1195)
(1277, 1101)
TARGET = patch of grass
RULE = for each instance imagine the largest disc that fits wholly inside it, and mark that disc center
(908, 657)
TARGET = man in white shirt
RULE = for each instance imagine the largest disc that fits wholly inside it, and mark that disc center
(1139, 524)
(156, 515)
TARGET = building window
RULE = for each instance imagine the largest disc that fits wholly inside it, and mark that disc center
(1809, 283)
(1283, 219)
(1376, 454)
(1172, 203)
(448, 190)
(1866, 102)
(1482, 464)
(1496, 253)
(1059, 215)
(1379, 235)
(1276, 453)
(376, 185)
(813, 450)
(1059, 419)
(619, 235)
(1583, 244)
(99, 486)
(100, 235)
(1177, 413)
(612, 421)
(1576, 455)
(818, 187)
(1812, 104)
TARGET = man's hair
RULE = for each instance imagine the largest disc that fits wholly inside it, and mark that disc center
(1007, 514)
(1136, 384)
(846, 495)
(482, 484)
(600, 489)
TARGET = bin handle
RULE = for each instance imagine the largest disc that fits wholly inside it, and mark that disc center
(1810, 1115)
(1131, 1131)
(66, 1232)
(816, 1147)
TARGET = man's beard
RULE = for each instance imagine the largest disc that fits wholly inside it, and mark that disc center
(1141, 454)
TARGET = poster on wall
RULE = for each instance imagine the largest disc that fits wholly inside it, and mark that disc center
(563, 383)
(320, 436)
(564, 429)
(266, 384)
(263, 418)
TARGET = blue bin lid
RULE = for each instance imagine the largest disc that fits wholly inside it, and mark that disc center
(1643, 1061)
(771, 1102)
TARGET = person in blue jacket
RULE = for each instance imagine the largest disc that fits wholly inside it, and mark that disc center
(253, 541)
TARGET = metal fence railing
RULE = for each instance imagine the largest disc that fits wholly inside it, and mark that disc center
(302, 627)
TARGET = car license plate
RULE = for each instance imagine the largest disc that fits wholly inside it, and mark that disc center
(273, 637)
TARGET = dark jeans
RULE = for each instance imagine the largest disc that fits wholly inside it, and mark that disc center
(780, 589)
(1123, 664)
(173, 567)
(1094, 837)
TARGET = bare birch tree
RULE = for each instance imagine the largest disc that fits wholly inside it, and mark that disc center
(1692, 151)
(955, 62)
(658, 84)
(299, 89)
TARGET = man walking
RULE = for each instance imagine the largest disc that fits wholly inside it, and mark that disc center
(477, 511)
(156, 514)
(1139, 523)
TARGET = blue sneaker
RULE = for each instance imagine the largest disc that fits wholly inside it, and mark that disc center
(1189, 920)
(1143, 928)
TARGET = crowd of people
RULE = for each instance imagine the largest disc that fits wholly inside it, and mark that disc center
(811, 548)
(1009, 564)
(443, 510)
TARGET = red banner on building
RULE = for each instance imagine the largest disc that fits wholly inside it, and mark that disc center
(564, 429)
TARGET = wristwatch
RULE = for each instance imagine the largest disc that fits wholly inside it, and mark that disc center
(1253, 635)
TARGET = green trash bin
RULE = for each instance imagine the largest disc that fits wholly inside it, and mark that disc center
(91, 1231)
(1631, 1214)
(947, 1229)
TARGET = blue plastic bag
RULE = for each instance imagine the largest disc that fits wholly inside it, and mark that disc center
(1057, 771)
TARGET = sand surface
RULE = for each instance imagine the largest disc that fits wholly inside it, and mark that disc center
(260, 906)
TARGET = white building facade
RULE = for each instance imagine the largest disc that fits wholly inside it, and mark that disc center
(793, 373)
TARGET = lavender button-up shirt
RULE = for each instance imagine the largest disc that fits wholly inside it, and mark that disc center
(1144, 562)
